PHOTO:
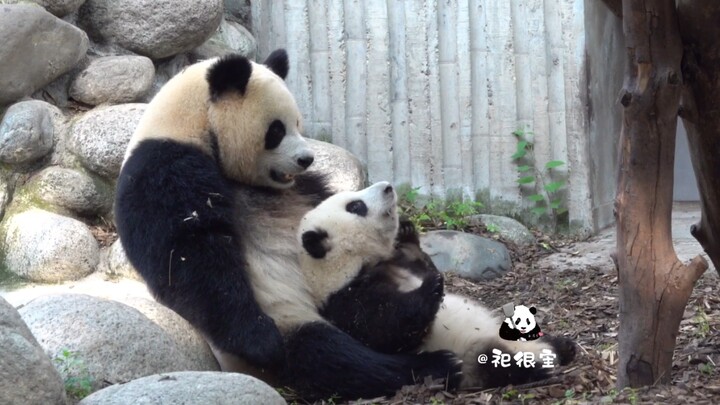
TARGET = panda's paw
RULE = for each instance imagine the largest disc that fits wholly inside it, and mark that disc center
(439, 364)
(407, 232)
(262, 344)
(565, 348)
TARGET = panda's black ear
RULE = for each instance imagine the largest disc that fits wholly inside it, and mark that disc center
(533, 310)
(278, 63)
(231, 72)
(313, 243)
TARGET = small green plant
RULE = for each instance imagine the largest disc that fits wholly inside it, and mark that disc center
(546, 196)
(510, 394)
(436, 401)
(525, 397)
(702, 323)
(452, 214)
(77, 378)
(632, 396)
(707, 368)
(492, 228)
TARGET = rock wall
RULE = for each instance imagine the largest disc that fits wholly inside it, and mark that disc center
(75, 77)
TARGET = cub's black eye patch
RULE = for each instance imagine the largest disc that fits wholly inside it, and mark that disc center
(274, 135)
(357, 207)
(314, 243)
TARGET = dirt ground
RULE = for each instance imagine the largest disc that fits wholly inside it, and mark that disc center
(574, 287)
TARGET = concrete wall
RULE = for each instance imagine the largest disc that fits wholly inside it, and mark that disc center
(605, 63)
(428, 92)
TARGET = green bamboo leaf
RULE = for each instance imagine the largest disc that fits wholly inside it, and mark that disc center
(536, 197)
(522, 145)
(526, 180)
(539, 210)
(553, 164)
(523, 168)
(555, 204)
(554, 186)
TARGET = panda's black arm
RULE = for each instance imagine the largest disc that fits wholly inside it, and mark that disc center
(373, 311)
(174, 214)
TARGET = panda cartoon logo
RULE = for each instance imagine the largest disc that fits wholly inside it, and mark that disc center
(520, 323)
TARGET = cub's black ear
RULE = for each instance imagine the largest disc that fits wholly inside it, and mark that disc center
(313, 243)
(231, 72)
(533, 310)
(278, 63)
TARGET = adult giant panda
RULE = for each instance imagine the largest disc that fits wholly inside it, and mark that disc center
(209, 197)
(369, 274)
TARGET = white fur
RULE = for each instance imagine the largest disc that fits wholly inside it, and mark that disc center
(468, 328)
(353, 240)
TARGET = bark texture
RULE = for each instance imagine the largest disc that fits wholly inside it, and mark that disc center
(654, 284)
(700, 111)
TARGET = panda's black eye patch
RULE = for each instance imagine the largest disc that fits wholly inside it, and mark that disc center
(357, 207)
(274, 135)
(517, 321)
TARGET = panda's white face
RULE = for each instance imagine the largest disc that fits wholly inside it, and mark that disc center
(524, 318)
(345, 232)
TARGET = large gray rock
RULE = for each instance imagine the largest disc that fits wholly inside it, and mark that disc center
(230, 37)
(59, 8)
(114, 263)
(240, 11)
(189, 388)
(27, 375)
(36, 48)
(471, 256)
(101, 136)
(47, 247)
(72, 190)
(508, 228)
(345, 171)
(115, 342)
(113, 80)
(27, 131)
(154, 28)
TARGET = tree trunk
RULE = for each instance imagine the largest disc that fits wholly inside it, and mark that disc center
(701, 112)
(654, 284)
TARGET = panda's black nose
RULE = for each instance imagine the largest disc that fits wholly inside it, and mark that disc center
(305, 162)
(388, 189)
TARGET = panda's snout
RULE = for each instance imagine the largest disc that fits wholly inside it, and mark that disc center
(305, 161)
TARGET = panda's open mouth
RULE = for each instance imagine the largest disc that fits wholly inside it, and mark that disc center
(281, 177)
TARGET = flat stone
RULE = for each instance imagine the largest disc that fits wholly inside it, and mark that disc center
(59, 8)
(73, 190)
(100, 137)
(154, 28)
(27, 131)
(345, 171)
(27, 375)
(470, 256)
(36, 48)
(113, 80)
(115, 342)
(189, 388)
(46, 247)
(508, 228)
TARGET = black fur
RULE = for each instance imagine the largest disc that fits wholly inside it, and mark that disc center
(324, 362)
(187, 249)
(278, 63)
(231, 72)
(312, 242)
(372, 310)
(274, 135)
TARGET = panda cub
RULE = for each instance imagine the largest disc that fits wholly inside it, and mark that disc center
(368, 275)
(370, 278)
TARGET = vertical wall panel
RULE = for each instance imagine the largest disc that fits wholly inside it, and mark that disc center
(428, 92)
